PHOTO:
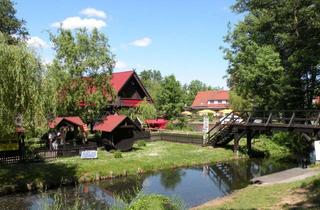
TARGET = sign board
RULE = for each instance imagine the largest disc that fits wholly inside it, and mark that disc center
(317, 150)
(205, 128)
(89, 154)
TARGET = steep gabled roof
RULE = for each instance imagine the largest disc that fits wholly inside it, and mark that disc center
(202, 98)
(109, 123)
(119, 79)
(73, 120)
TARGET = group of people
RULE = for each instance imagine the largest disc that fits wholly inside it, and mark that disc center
(63, 134)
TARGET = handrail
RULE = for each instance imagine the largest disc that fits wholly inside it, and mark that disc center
(219, 123)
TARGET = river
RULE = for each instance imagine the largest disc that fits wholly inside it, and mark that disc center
(192, 185)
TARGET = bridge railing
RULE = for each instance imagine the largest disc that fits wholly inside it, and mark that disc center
(287, 117)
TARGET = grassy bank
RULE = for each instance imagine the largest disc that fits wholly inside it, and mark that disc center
(154, 156)
(298, 195)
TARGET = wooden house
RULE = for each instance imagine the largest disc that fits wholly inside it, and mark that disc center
(128, 89)
(118, 132)
(211, 99)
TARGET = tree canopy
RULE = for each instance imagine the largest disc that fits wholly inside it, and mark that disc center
(12, 27)
(274, 54)
(81, 70)
(20, 88)
(170, 97)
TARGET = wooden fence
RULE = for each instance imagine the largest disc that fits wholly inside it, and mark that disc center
(10, 157)
(189, 138)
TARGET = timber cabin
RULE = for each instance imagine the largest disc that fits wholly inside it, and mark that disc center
(118, 132)
(129, 89)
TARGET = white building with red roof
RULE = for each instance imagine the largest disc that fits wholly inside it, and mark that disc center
(211, 99)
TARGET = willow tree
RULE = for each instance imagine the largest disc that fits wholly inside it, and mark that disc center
(80, 72)
(20, 88)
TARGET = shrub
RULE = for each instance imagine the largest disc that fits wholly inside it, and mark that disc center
(154, 201)
(142, 143)
(117, 154)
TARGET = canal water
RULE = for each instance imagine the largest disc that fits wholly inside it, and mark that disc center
(192, 186)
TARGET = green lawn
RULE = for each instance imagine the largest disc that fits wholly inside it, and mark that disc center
(270, 196)
(154, 156)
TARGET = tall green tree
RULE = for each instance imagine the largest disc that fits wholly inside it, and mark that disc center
(277, 42)
(170, 97)
(20, 88)
(12, 27)
(151, 79)
(81, 70)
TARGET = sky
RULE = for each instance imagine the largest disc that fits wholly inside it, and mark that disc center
(180, 37)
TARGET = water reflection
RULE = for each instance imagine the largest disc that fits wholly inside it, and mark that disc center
(171, 178)
(193, 185)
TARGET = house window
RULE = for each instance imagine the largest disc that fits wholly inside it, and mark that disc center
(217, 101)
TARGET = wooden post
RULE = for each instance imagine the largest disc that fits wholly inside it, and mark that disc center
(236, 143)
(249, 138)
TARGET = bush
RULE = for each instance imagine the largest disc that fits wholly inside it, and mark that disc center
(117, 154)
(179, 124)
(158, 202)
(142, 143)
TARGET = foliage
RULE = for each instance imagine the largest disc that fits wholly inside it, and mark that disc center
(117, 154)
(180, 123)
(12, 28)
(238, 103)
(294, 142)
(83, 63)
(146, 111)
(132, 113)
(154, 201)
(154, 75)
(142, 143)
(170, 97)
(151, 80)
(273, 55)
(21, 88)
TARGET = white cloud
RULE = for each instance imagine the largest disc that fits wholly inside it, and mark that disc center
(143, 42)
(91, 12)
(121, 65)
(36, 42)
(78, 22)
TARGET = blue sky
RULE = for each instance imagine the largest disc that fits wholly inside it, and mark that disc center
(180, 37)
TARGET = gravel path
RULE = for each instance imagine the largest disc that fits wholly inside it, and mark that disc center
(286, 176)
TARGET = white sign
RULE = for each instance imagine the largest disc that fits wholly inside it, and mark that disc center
(317, 150)
(205, 128)
(89, 154)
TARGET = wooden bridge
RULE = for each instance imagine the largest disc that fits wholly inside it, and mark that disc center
(250, 123)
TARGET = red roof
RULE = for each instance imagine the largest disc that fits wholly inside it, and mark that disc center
(202, 98)
(74, 120)
(109, 123)
(119, 79)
